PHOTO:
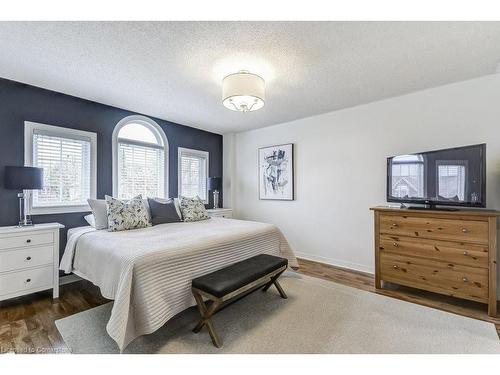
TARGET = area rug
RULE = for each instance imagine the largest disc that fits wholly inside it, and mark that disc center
(318, 317)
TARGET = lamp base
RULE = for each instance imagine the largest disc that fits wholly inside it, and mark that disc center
(25, 223)
(24, 219)
(216, 199)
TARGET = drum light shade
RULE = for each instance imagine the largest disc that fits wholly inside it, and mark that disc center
(243, 92)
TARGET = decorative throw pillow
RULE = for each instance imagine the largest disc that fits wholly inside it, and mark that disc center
(127, 215)
(100, 212)
(176, 204)
(193, 209)
(163, 211)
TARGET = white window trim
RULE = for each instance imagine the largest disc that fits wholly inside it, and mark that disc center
(157, 131)
(29, 128)
(205, 154)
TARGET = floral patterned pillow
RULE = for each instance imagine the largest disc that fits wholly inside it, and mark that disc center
(124, 215)
(193, 209)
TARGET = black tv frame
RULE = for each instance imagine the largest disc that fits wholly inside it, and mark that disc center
(431, 204)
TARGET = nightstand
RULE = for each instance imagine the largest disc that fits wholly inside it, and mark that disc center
(221, 212)
(29, 260)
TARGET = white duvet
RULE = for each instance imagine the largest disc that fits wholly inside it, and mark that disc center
(148, 272)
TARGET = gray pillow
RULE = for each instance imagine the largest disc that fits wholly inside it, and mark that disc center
(163, 211)
(100, 212)
(176, 203)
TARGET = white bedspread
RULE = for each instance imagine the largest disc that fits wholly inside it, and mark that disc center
(148, 272)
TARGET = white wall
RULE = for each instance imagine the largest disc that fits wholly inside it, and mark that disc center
(340, 164)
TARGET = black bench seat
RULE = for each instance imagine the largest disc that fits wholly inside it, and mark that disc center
(232, 281)
(231, 278)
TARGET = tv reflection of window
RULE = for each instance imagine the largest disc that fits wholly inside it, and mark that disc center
(451, 179)
(408, 176)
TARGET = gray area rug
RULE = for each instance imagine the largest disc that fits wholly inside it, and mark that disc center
(318, 317)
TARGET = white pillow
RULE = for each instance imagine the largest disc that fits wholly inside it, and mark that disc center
(90, 219)
(100, 212)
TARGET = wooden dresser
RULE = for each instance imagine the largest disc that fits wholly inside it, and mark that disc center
(447, 252)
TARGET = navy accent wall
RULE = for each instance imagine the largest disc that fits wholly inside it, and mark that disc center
(20, 102)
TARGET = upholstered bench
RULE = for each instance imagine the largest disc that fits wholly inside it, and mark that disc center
(231, 283)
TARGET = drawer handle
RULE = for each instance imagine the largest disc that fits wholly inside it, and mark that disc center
(395, 244)
(464, 230)
(28, 280)
(28, 258)
(394, 224)
(466, 252)
(395, 267)
(28, 240)
(465, 280)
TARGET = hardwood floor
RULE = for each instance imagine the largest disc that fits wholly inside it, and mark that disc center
(27, 323)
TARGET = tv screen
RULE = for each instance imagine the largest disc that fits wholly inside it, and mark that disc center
(451, 177)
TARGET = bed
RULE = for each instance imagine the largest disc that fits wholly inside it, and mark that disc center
(148, 272)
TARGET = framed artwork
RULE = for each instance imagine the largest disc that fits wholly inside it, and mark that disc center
(276, 172)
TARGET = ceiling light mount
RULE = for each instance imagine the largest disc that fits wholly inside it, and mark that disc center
(243, 91)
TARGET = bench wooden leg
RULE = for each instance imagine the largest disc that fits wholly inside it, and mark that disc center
(280, 289)
(274, 280)
(206, 314)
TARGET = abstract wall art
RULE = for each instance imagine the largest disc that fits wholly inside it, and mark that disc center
(276, 172)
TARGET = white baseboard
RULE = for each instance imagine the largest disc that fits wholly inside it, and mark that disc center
(335, 262)
(67, 279)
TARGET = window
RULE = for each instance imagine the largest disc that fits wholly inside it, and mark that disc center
(408, 176)
(193, 173)
(451, 179)
(140, 150)
(68, 159)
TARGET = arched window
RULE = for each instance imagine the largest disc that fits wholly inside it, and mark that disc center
(140, 165)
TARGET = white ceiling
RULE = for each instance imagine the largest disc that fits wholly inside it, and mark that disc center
(173, 70)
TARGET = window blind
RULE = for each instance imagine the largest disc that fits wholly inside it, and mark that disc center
(140, 170)
(193, 175)
(66, 164)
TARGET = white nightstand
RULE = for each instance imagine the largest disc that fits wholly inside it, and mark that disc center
(221, 212)
(29, 260)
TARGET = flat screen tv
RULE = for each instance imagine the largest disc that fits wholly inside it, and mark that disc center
(449, 177)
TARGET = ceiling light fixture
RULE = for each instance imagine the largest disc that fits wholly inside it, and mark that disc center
(243, 91)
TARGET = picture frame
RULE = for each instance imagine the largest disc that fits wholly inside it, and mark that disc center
(276, 172)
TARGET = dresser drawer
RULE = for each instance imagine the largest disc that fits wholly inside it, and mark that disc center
(467, 254)
(30, 239)
(440, 277)
(26, 257)
(25, 280)
(226, 215)
(444, 229)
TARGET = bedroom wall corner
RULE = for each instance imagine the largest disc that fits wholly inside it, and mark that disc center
(228, 168)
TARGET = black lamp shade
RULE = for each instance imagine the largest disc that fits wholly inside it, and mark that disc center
(21, 178)
(214, 183)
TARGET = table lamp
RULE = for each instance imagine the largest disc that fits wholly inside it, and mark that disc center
(23, 178)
